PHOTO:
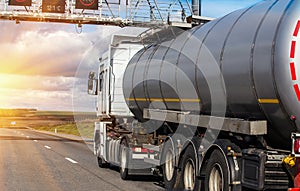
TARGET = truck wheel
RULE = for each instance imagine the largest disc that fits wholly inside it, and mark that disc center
(216, 178)
(124, 160)
(189, 180)
(101, 163)
(168, 166)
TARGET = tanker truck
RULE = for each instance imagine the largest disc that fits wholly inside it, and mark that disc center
(213, 108)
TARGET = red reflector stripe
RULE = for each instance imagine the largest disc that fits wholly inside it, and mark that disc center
(141, 150)
(144, 150)
(293, 47)
(297, 28)
(293, 71)
(297, 90)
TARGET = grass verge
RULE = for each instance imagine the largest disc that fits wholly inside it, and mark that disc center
(85, 130)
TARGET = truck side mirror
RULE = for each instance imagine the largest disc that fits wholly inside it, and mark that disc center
(92, 84)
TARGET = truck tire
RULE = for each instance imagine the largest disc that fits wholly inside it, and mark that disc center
(170, 173)
(188, 173)
(216, 178)
(101, 163)
(124, 156)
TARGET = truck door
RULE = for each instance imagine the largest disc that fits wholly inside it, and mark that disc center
(104, 91)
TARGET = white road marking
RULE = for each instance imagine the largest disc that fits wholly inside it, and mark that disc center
(35, 141)
(47, 147)
(71, 160)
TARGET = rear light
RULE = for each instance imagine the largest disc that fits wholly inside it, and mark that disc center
(297, 146)
(296, 153)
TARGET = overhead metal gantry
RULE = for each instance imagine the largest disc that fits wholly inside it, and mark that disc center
(140, 13)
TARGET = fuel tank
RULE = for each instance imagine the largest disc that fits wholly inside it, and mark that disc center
(243, 65)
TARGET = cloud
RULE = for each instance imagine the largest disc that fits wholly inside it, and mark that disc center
(81, 100)
(39, 63)
(49, 54)
(44, 83)
(38, 99)
(50, 50)
(41, 92)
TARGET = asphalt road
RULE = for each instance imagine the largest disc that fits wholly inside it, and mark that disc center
(31, 161)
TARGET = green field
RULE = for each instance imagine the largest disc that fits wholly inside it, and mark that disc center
(80, 123)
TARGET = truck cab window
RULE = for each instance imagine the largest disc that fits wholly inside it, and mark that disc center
(101, 79)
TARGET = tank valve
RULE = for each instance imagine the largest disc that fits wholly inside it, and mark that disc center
(293, 117)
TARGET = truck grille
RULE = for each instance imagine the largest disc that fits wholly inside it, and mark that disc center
(275, 176)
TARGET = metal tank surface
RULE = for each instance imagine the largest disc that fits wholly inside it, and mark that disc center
(249, 57)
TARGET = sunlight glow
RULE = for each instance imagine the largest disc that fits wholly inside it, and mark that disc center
(6, 81)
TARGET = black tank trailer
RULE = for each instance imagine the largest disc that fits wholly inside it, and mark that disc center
(246, 60)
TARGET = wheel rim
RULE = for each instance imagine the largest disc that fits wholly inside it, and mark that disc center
(123, 159)
(216, 178)
(169, 167)
(189, 175)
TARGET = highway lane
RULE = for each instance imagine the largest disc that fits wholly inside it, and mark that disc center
(30, 160)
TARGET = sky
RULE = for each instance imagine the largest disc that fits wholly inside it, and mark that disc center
(218, 8)
(45, 66)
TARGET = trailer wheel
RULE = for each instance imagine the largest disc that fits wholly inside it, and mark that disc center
(124, 155)
(168, 165)
(189, 180)
(101, 163)
(216, 178)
